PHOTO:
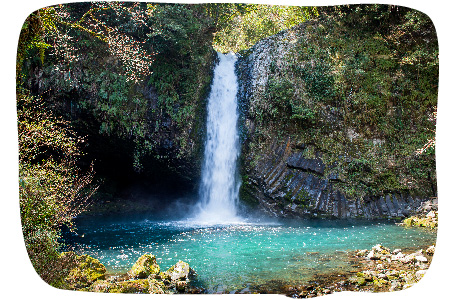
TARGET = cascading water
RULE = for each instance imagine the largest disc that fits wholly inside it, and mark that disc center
(219, 186)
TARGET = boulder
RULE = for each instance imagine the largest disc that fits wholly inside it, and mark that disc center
(144, 266)
(181, 286)
(373, 255)
(156, 287)
(181, 271)
(85, 272)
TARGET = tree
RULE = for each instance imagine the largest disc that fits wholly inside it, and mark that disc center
(243, 26)
(52, 188)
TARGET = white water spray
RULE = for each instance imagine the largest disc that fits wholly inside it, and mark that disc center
(219, 191)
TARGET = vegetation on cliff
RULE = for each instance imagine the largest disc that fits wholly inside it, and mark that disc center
(356, 88)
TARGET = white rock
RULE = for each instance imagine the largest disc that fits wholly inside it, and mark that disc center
(421, 258)
(408, 258)
(380, 248)
(431, 214)
(373, 255)
(396, 251)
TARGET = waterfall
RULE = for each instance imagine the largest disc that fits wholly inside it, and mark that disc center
(219, 191)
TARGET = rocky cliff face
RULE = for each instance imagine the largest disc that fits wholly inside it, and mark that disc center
(306, 153)
(286, 184)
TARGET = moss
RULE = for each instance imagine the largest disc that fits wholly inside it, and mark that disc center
(361, 281)
(302, 198)
(139, 286)
(164, 276)
(379, 282)
(87, 271)
(144, 266)
(156, 287)
(425, 221)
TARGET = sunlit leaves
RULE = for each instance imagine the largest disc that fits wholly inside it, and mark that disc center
(253, 22)
(136, 60)
(52, 190)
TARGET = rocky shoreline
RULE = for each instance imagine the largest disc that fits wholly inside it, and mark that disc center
(145, 277)
(379, 270)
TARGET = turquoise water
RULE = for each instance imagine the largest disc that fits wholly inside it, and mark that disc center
(238, 256)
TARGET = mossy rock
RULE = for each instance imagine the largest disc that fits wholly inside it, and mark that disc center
(379, 282)
(100, 286)
(144, 266)
(138, 286)
(156, 287)
(163, 276)
(361, 281)
(85, 271)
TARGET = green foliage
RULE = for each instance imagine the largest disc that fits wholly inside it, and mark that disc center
(284, 101)
(248, 24)
(181, 71)
(316, 73)
(51, 189)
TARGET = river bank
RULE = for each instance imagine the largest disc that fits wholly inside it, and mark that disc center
(379, 269)
(376, 270)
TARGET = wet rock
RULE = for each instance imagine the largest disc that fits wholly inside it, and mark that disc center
(144, 266)
(181, 286)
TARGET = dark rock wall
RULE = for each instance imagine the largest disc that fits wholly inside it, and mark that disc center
(286, 184)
